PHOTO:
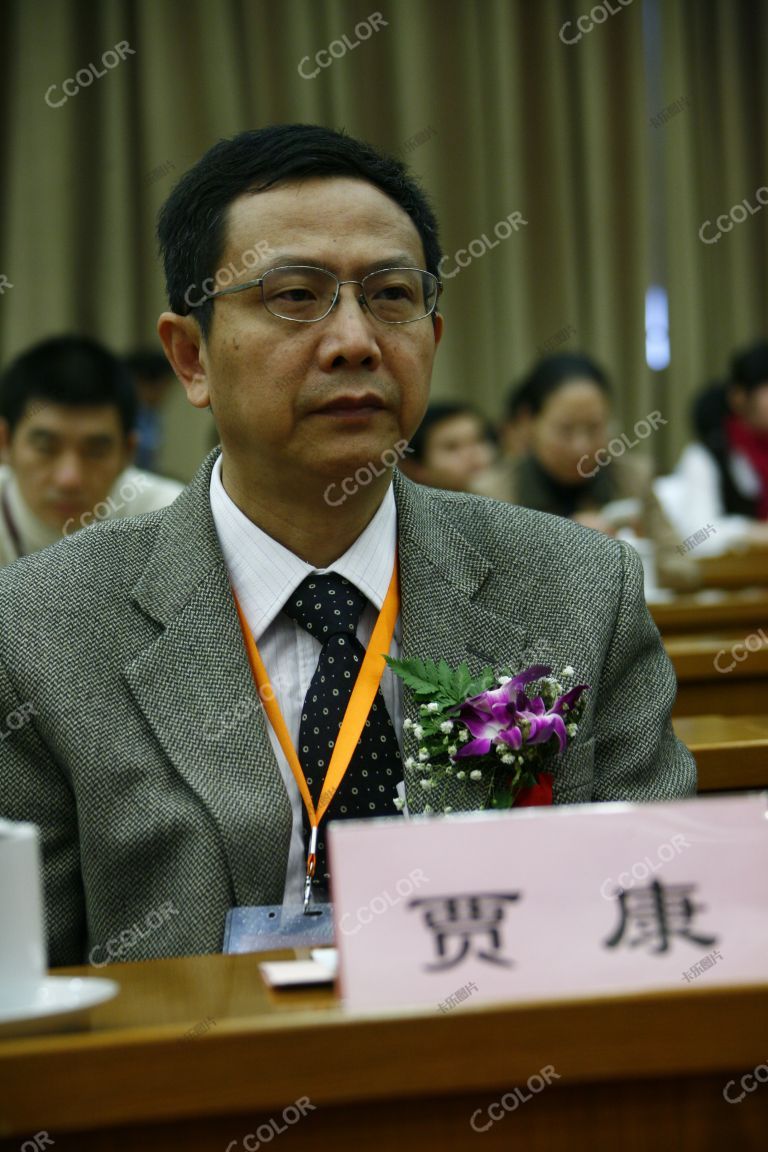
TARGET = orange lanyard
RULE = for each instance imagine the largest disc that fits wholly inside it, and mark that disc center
(363, 694)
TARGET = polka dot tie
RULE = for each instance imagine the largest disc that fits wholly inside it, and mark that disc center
(329, 608)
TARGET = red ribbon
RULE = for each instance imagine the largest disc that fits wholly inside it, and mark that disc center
(537, 794)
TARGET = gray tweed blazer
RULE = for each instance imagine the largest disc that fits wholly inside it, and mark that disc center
(121, 651)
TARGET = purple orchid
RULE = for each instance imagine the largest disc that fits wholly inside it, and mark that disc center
(505, 715)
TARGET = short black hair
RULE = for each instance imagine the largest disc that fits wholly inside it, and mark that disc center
(710, 409)
(749, 368)
(437, 413)
(516, 402)
(74, 371)
(147, 364)
(550, 374)
(191, 225)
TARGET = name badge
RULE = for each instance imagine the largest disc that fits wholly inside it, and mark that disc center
(537, 903)
(273, 926)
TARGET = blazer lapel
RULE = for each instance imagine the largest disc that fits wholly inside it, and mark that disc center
(195, 688)
(443, 583)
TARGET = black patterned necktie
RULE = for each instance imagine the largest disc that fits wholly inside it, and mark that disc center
(329, 607)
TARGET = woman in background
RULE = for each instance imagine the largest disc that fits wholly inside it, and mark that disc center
(565, 403)
(722, 478)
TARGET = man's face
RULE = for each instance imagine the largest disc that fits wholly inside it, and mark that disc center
(152, 390)
(457, 449)
(65, 459)
(270, 381)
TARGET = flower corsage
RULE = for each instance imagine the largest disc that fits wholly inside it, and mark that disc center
(488, 741)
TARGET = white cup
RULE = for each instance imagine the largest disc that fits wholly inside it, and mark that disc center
(23, 958)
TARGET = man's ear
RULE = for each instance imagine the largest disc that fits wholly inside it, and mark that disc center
(5, 440)
(182, 342)
(439, 327)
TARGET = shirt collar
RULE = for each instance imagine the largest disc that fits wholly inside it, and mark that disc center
(264, 573)
(34, 533)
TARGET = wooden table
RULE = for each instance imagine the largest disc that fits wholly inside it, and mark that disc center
(731, 751)
(742, 569)
(744, 611)
(711, 679)
(632, 1073)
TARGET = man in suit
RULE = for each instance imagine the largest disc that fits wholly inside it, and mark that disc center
(67, 438)
(146, 758)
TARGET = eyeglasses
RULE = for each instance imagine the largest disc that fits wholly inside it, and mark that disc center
(307, 294)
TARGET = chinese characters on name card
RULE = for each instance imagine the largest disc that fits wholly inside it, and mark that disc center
(523, 905)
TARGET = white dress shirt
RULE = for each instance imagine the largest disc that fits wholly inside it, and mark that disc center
(692, 499)
(264, 574)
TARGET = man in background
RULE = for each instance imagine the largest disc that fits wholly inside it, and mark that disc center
(67, 438)
(153, 378)
(451, 448)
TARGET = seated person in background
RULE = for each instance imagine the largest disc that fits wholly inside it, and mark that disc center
(565, 406)
(513, 429)
(721, 480)
(451, 448)
(67, 412)
(153, 378)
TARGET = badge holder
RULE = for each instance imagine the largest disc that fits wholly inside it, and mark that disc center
(274, 926)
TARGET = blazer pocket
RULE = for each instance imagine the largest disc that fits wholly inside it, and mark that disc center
(573, 776)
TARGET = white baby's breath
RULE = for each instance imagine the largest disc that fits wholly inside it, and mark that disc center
(399, 803)
(438, 737)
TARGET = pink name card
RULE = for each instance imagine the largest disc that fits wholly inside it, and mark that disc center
(547, 903)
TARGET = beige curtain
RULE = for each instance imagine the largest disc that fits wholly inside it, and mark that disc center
(715, 157)
(497, 113)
